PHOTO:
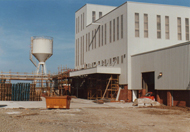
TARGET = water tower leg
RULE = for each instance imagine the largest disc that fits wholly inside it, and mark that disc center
(44, 68)
(38, 68)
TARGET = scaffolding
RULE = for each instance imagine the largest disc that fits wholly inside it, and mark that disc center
(40, 86)
(62, 82)
(98, 86)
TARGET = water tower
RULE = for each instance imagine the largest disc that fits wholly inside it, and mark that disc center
(41, 49)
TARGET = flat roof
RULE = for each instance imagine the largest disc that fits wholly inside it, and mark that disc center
(95, 70)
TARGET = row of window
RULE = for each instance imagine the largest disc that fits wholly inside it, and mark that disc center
(94, 15)
(81, 21)
(115, 33)
(108, 62)
(167, 31)
(81, 48)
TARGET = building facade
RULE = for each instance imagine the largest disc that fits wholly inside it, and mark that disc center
(110, 36)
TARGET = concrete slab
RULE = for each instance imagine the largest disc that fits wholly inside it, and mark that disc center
(75, 104)
(24, 104)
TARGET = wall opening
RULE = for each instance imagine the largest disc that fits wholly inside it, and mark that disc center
(148, 82)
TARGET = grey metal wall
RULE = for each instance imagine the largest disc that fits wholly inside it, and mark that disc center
(173, 62)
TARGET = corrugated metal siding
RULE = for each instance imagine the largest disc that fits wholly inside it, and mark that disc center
(172, 62)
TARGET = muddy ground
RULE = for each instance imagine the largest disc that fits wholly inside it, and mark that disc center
(92, 119)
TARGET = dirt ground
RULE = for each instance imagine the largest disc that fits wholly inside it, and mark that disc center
(92, 119)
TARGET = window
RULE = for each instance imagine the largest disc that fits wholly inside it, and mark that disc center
(105, 34)
(99, 36)
(117, 28)
(118, 60)
(89, 41)
(76, 26)
(86, 42)
(83, 20)
(187, 28)
(110, 31)
(158, 26)
(93, 16)
(110, 61)
(121, 26)
(167, 29)
(95, 38)
(92, 42)
(98, 62)
(102, 35)
(100, 14)
(122, 59)
(76, 53)
(102, 62)
(113, 30)
(179, 28)
(136, 24)
(146, 25)
(114, 59)
(83, 50)
(105, 62)
(93, 64)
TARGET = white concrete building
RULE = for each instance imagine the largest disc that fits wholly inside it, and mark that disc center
(109, 36)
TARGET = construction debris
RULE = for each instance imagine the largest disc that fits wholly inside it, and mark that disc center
(145, 102)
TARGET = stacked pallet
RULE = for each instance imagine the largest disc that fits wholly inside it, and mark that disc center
(32, 92)
(8, 91)
(21, 92)
(34, 95)
(2, 87)
(18, 92)
(38, 96)
(5, 90)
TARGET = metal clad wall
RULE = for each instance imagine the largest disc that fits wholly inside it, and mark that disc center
(173, 62)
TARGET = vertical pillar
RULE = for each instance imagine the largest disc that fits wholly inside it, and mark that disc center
(129, 95)
(157, 96)
(134, 95)
(143, 92)
(169, 98)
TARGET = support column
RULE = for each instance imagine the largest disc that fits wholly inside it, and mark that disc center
(143, 92)
(157, 96)
(169, 98)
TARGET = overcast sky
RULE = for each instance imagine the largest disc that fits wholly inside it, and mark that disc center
(21, 19)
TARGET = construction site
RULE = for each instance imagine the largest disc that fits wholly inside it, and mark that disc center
(131, 73)
(42, 84)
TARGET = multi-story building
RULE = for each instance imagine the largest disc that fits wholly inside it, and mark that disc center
(110, 37)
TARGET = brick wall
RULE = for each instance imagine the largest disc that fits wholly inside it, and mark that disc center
(180, 97)
(125, 94)
(161, 96)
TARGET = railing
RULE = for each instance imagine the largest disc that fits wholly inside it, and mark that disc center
(24, 76)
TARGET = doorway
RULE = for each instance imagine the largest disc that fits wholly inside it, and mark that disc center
(148, 82)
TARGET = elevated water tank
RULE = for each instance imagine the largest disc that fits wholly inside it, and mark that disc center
(41, 49)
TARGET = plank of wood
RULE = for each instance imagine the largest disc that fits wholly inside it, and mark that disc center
(106, 88)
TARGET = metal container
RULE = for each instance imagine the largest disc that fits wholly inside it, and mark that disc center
(61, 102)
